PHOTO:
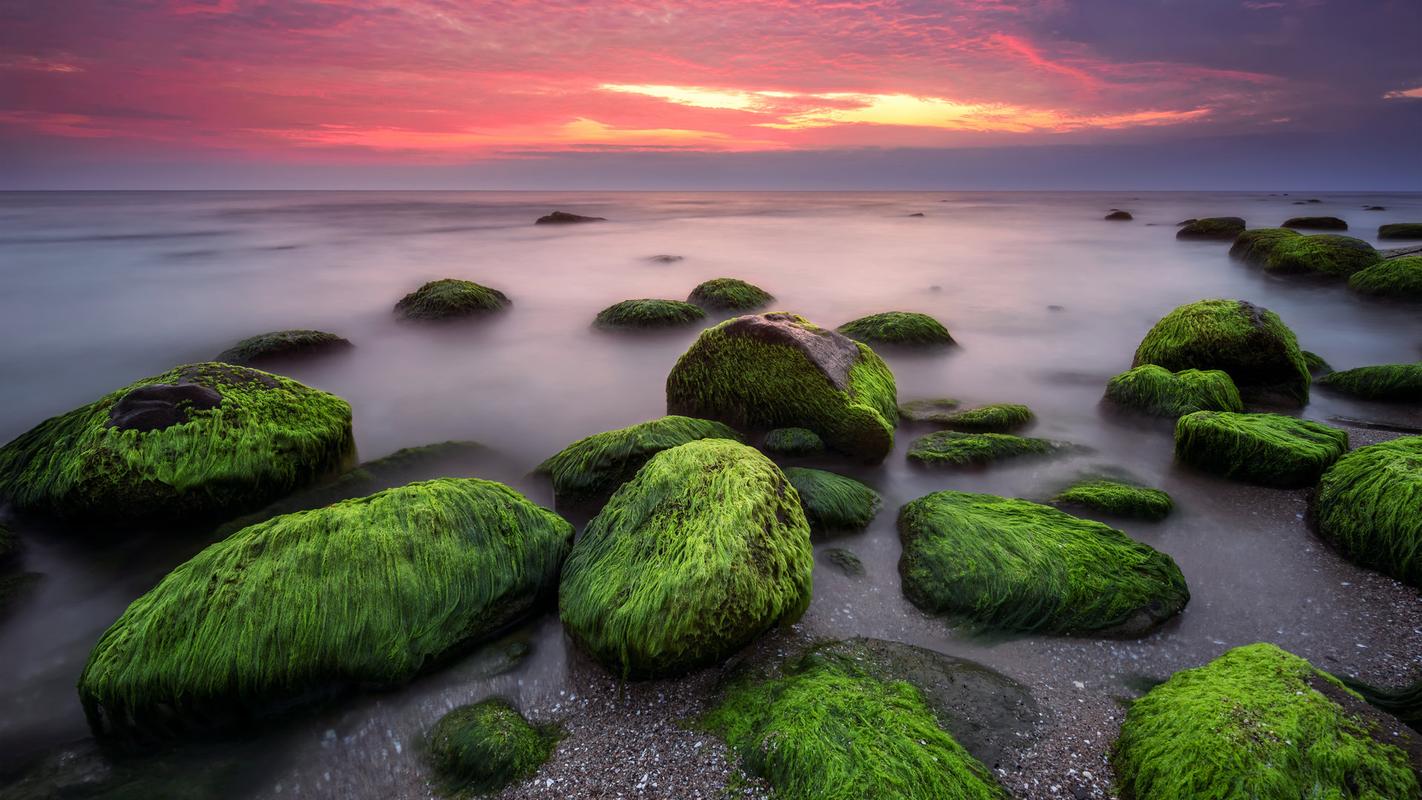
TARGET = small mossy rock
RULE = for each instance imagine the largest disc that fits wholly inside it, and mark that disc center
(648, 314)
(958, 449)
(1265, 449)
(994, 418)
(899, 328)
(592, 468)
(362, 593)
(1159, 392)
(1316, 223)
(793, 442)
(705, 549)
(1368, 506)
(826, 729)
(832, 502)
(1254, 246)
(1019, 566)
(1219, 228)
(282, 346)
(1249, 342)
(1118, 215)
(1400, 230)
(449, 299)
(565, 218)
(1257, 722)
(1316, 365)
(196, 442)
(845, 561)
(1116, 498)
(729, 294)
(780, 370)
(1388, 383)
(1395, 278)
(483, 747)
(933, 409)
(1323, 255)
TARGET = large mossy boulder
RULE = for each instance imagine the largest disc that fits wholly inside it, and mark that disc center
(1316, 223)
(729, 294)
(1115, 498)
(1400, 230)
(1368, 505)
(196, 442)
(450, 299)
(367, 592)
(899, 328)
(1265, 449)
(483, 747)
(993, 418)
(832, 502)
(958, 449)
(647, 315)
(1249, 342)
(705, 549)
(1259, 722)
(1395, 278)
(780, 370)
(1324, 255)
(1216, 228)
(1019, 566)
(592, 468)
(1159, 392)
(1388, 383)
(283, 346)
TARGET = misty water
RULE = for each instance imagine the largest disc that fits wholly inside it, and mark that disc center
(1046, 299)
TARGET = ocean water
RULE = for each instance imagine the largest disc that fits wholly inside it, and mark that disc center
(1046, 299)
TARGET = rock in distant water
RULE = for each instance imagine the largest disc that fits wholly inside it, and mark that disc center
(646, 314)
(1264, 449)
(917, 214)
(1316, 223)
(1117, 215)
(665, 259)
(1283, 251)
(1400, 230)
(481, 748)
(1396, 278)
(450, 298)
(1221, 228)
(279, 346)
(565, 218)
(1366, 506)
(1374, 208)
(729, 294)
(906, 328)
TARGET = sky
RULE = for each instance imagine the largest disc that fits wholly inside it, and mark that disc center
(712, 94)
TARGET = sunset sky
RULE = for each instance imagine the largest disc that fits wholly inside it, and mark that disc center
(711, 93)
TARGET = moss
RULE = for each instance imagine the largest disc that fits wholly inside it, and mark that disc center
(729, 294)
(793, 442)
(644, 314)
(700, 553)
(1367, 505)
(955, 449)
(1323, 255)
(1397, 278)
(1267, 449)
(450, 298)
(779, 370)
(363, 593)
(833, 502)
(898, 328)
(827, 730)
(1019, 566)
(592, 468)
(845, 561)
(1211, 228)
(1159, 392)
(1256, 722)
(1400, 230)
(928, 410)
(483, 747)
(1249, 342)
(1316, 364)
(1392, 383)
(281, 346)
(1116, 498)
(995, 418)
(195, 442)
(1316, 223)
(1254, 246)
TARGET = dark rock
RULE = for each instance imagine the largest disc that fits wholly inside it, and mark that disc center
(665, 259)
(1374, 208)
(1222, 228)
(279, 346)
(846, 561)
(1316, 223)
(564, 218)
(1118, 215)
(161, 405)
(917, 214)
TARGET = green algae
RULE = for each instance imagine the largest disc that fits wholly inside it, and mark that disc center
(282, 345)
(1366, 506)
(1316, 223)
(793, 442)
(1257, 722)
(1220, 228)
(648, 314)
(450, 298)
(363, 593)
(482, 747)
(265, 437)
(1019, 566)
(957, 449)
(1117, 498)
(1400, 230)
(1266, 449)
(1396, 278)
(1254, 246)
(1159, 392)
(898, 328)
(705, 549)
(834, 503)
(1324, 255)
(1389, 383)
(994, 418)
(1316, 366)
(845, 561)
(729, 294)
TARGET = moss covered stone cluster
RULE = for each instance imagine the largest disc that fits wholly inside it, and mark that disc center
(904, 328)
(1267, 449)
(1368, 505)
(485, 746)
(1157, 391)
(450, 298)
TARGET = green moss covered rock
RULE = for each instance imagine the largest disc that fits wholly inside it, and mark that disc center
(647, 314)
(1267, 449)
(1253, 246)
(1015, 565)
(934, 409)
(1316, 223)
(1116, 498)
(1390, 383)
(898, 328)
(793, 442)
(729, 294)
(1316, 364)
(1249, 342)
(450, 298)
(1159, 392)
(363, 593)
(1323, 255)
(994, 418)
(1396, 278)
(780, 370)
(1257, 722)
(1220, 228)
(198, 441)
(280, 346)
(483, 747)
(592, 468)
(1368, 505)
(833, 503)
(957, 449)
(845, 561)
(1400, 230)
(701, 552)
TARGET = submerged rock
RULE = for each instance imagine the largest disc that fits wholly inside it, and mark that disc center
(198, 441)
(1221, 228)
(1260, 722)
(1396, 278)
(279, 346)
(483, 747)
(793, 442)
(994, 418)
(1400, 230)
(1118, 215)
(665, 259)
(1389, 383)
(1116, 498)
(729, 294)
(565, 218)
(956, 449)
(1267, 449)
(647, 314)
(906, 328)
(845, 561)
(705, 549)
(1367, 507)
(450, 298)
(928, 410)
(1316, 223)
(1159, 392)
(832, 502)
(780, 370)
(362, 593)
(1015, 565)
